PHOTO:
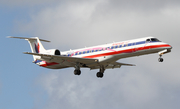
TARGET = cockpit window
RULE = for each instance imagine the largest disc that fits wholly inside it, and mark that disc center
(155, 40)
(148, 40)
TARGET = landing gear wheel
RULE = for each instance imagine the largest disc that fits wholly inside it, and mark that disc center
(160, 59)
(99, 74)
(77, 72)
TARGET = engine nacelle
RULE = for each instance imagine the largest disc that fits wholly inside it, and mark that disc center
(52, 52)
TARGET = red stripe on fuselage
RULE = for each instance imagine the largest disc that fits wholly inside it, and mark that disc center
(128, 50)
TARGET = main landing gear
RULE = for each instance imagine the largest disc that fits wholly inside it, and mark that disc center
(77, 70)
(100, 73)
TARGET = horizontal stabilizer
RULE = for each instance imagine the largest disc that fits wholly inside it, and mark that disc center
(32, 38)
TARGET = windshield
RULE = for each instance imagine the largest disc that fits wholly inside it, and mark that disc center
(155, 40)
(148, 40)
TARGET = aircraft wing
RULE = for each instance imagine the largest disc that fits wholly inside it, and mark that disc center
(92, 63)
(70, 59)
(112, 65)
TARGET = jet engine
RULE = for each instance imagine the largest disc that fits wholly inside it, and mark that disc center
(52, 52)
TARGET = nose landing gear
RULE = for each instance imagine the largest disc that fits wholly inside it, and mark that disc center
(160, 59)
(161, 53)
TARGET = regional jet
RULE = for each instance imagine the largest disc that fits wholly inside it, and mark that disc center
(100, 57)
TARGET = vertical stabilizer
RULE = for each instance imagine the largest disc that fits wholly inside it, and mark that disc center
(36, 45)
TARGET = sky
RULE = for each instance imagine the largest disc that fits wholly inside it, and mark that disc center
(72, 24)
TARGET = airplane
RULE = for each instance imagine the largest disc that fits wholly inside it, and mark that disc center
(100, 57)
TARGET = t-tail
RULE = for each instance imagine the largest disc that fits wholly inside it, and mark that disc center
(35, 44)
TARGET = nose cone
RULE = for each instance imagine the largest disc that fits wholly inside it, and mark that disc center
(170, 47)
(166, 45)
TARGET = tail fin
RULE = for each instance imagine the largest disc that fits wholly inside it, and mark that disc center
(35, 44)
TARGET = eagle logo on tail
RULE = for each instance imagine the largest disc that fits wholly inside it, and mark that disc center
(37, 48)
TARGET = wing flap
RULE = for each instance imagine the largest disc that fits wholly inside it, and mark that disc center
(112, 65)
(118, 63)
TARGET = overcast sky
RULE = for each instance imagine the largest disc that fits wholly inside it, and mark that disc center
(71, 24)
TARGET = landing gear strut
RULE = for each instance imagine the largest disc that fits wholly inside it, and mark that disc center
(100, 73)
(77, 70)
(161, 53)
